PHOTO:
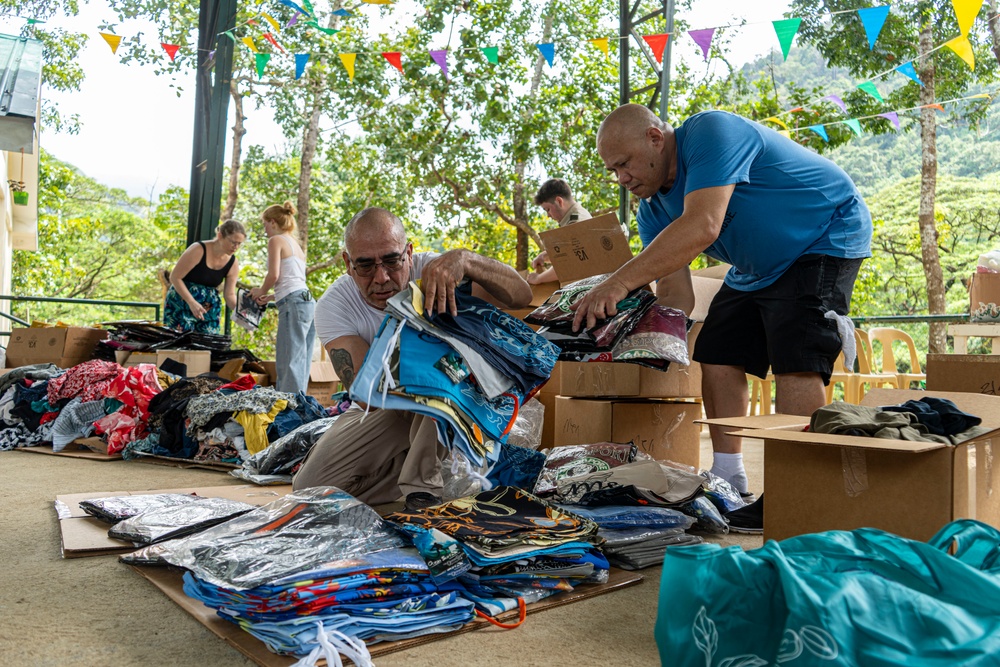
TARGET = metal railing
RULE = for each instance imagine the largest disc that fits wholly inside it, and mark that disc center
(85, 302)
(912, 319)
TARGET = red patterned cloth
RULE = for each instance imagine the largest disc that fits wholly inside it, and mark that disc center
(89, 380)
(135, 387)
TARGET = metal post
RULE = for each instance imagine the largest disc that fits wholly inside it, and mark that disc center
(668, 11)
(210, 116)
(624, 29)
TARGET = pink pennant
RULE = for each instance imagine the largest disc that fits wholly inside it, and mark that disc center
(171, 49)
(441, 58)
(657, 43)
(703, 38)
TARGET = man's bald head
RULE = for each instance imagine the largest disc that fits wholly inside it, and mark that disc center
(373, 222)
(628, 122)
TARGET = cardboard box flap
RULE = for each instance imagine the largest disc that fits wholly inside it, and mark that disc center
(830, 440)
(322, 371)
(705, 290)
(587, 248)
(983, 406)
(759, 421)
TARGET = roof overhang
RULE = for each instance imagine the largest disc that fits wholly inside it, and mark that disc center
(20, 89)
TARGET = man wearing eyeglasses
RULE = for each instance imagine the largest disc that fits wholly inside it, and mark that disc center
(392, 453)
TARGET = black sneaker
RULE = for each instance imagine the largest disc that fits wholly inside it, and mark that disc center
(419, 500)
(748, 520)
(748, 497)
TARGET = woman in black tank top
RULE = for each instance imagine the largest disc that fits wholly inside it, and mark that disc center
(193, 302)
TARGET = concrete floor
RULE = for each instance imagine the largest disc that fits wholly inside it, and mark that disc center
(95, 611)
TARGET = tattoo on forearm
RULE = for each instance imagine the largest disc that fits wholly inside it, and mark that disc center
(343, 364)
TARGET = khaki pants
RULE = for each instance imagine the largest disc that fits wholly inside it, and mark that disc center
(390, 454)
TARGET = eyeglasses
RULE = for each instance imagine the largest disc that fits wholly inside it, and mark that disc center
(235, 244)
(366, 268)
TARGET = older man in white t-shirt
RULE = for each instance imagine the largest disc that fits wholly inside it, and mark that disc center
(392, 453)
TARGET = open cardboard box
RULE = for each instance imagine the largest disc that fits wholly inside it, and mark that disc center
(587, 248)
(817, 482)
(63, 346)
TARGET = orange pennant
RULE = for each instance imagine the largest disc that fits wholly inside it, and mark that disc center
(171, 49)
(657, 43)
(112, 40)
(933, 106)
(395, 59)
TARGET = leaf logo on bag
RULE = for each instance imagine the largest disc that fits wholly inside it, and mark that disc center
(706, 637)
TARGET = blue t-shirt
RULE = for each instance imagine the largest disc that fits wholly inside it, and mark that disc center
(788, 201)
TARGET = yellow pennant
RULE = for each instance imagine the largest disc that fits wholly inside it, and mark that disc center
(270, 19)
(776, 121)
(963, 49)
(377, 2)
(250, 45)
(785, 133)
(966, 12)
(601, 43)
(348, 60)
(981, 96)
(112, 40)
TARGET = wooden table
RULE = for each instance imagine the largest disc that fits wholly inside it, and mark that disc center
(963, 332)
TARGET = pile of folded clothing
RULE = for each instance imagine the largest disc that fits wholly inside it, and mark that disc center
(638, 537)
(470, 373)
(520, 548)
(312, 574)
(641, 332)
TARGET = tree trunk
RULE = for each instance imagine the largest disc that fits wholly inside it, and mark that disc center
(994, 26)
(937, 341)
(520, 203)
(237, 154)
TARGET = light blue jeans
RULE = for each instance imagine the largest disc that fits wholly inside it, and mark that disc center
(296, 333)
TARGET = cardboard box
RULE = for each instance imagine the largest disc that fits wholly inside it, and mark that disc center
(975, 373)
(666, 430)
(63, 346)
(984, 297)
(197, 361)
(817, 482)
(234, 369)
(552, 386)
(323, 382)
(128, 359)
(587, 248)
(549, 420)
(678, 381)
(598, 379)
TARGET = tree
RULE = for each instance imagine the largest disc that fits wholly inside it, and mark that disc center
(912, 31)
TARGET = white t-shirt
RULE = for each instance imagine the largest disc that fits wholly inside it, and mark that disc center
(343, 311)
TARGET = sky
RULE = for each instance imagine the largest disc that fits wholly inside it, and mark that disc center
(137, 132)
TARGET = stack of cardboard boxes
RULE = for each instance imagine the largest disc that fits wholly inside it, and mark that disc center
(618, 402)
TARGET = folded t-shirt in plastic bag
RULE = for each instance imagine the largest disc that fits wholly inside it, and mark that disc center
(660, 334)
(118, 508)
(581, 460)
(167, 523)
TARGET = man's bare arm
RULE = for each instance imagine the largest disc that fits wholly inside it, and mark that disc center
(346, 355)
(676, 291)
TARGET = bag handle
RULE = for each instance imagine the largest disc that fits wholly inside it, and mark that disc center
(976, 544)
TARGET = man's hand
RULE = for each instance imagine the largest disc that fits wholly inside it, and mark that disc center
(599, 303)
(539, 262)
(440, 278)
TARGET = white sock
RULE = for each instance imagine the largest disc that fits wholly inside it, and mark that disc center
(730, 468)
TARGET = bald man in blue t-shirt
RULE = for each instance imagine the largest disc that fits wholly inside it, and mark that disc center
(791, 223)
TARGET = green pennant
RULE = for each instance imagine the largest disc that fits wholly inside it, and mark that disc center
(230, 35)
(262, 59)
(786, 30)
(492, 53)
(870, 88)
(35, 21)
(326, 31)
(855, 125)
(309, 7)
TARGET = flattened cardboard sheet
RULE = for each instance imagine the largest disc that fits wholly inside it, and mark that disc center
(170, 581)
(759, 421)
(83, 535)
(217, 466)
(78, 449)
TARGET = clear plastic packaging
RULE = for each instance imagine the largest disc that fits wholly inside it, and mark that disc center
(119, 508)
(624, 517)
(461, 478)
(527, 428)
(709, 520)
(723, 495)
(169, 522)
(581, 460)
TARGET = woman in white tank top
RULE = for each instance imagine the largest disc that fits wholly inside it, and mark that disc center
(286, 273)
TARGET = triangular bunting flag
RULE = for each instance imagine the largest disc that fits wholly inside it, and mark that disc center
(933, 106)
(325, 31)
(293, 20)
(261, 59)
(703, 38)
(300, 64)
(907, 69)
(250, 45)
(171, 49)
(309, 7)
(873, 18)
(821, 131)
(892, 116)
(35, 21)
(549, 51)
(966, 12)
(601, 43)
(962, 48)
(289, 3)
(211, 54)
(395, 59)
(776, 120)
(230, 35)
(785, 133)
(786, 30)
(836, 100)
(870, 88)
(981, 96)
(348, 60)
(855, 125)
(112, 40)
(441, 58)
(657, 43)
(251, 22)
(269, 37)
(492, 53)
(342, 12)
(270, 19)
